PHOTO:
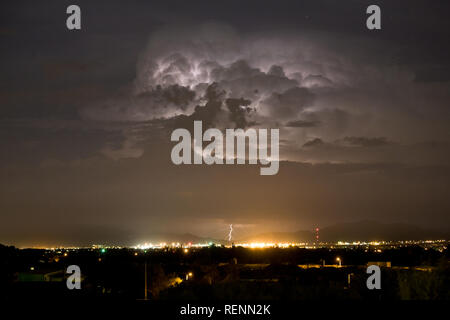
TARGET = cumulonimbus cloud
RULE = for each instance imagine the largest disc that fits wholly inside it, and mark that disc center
(291, 81)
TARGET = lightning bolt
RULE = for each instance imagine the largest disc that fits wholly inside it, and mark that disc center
(231, 231)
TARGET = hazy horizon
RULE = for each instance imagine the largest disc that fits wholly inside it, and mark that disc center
(362, 230)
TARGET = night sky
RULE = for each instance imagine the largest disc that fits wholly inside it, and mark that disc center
(86, 116)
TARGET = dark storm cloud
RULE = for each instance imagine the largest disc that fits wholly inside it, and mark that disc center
(285, 77)
(238, 109)
(366, 142)
(317, 81)
(156, 103)
(288, 104)
(302, 124)
(313, 143)
(37, 142)
(209, 113)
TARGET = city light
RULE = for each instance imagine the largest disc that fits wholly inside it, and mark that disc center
(439, 245)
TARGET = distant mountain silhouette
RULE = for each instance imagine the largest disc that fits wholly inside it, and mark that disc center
(362, 230)
(174, 237)
(372, 230)
(353, 231)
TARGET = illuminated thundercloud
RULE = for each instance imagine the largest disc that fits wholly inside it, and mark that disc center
(231, 231)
